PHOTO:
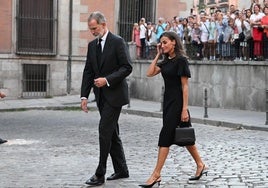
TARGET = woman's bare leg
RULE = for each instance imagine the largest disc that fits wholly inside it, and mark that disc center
(162, 156)
(199, 163)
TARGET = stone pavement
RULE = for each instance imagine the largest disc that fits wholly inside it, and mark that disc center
(59, 149)
(216, 116)
(52, 148)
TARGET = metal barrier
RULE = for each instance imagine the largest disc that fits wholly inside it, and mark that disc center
(224, 51)
(151, 52)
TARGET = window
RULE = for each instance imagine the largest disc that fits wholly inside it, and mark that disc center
(132, 11)
(35, 80)
(36, 27)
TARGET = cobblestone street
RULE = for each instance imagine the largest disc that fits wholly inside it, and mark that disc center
(59, 149)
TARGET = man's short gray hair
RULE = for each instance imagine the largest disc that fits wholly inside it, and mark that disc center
(98, 16)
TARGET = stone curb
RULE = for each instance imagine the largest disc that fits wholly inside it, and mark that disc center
(145, 114)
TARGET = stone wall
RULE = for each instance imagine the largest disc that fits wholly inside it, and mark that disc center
(232, 85)
(11, 75)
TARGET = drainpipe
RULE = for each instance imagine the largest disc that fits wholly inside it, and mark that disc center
(69, 61)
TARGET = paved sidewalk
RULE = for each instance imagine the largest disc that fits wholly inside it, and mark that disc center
(216, 116)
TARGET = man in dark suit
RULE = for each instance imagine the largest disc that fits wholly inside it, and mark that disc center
(107, 66)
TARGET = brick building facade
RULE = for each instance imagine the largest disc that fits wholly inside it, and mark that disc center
(42, 55)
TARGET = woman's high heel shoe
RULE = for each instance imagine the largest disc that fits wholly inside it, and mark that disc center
(158, 180)
(200, 175)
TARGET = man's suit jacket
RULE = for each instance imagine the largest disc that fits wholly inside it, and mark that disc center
(115, 66)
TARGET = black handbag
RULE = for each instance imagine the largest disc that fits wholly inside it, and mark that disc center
(184, 134)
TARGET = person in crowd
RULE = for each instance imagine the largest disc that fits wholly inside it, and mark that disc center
(248, 13)
(174, 26)
(239, 42)
(143, 28)
(204, 24)
(245, 26)
(248, 35)
(160, 28)
(186, 31)
(265, 3)
(175, 71)
(196, 42)
(218, 11)
(257, 32)
(264, 25)
(107, 66)
(2, 95)
(150, 35)
(151, 40)
(234, 41)
(253, 3)
(180, 28)
(168, 26)
(212, 38)
(221, 24)
(232, 11)
(227, 39)
(191, 21)
(136, 38)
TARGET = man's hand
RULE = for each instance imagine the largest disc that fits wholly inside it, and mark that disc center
(2, 95)
(100, 82)
(84, 105)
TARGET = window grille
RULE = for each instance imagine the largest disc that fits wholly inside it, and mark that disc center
(211, 2)
(35, 80)
(132, 11)
(36, 23)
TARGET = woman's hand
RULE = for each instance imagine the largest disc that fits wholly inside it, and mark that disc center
(159, 48)
(184, 116)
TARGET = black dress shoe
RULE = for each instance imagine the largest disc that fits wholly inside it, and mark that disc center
(2, 141)
(116, 176)
(95, 180)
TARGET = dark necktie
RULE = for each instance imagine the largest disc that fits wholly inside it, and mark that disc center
(99, 51)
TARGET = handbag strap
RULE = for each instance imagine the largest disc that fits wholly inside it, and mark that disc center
(206, 28)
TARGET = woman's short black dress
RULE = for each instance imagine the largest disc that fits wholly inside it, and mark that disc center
(172, 70)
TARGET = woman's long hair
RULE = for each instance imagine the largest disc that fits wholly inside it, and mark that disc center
(179, 49)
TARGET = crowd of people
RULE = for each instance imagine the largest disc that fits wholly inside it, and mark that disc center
(236, 34)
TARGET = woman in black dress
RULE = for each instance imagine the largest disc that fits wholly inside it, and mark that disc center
(175, 72)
